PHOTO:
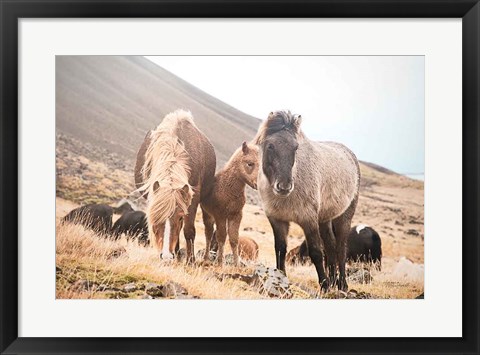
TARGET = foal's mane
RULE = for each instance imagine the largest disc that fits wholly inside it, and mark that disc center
(166, 170)
(278, 121)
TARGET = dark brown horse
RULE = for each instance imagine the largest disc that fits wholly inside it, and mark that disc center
(314, 184)
(175, 169)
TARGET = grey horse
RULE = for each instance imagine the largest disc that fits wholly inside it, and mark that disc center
(314, 184)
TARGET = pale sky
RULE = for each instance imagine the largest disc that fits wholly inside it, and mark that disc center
(374, 105)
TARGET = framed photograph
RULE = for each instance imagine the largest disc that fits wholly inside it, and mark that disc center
(222, 177)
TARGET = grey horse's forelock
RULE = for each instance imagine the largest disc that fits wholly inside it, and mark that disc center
(278, 121)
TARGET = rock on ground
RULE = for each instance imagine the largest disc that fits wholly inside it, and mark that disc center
(272, 282)
(361, 276)
(269, 281)
(406, 269)
(167, 290)
(83, 285)
(131, 287)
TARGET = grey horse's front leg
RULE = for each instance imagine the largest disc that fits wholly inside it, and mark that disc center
(312, 235)
(342, 225)
(280, 232)
(329, 244)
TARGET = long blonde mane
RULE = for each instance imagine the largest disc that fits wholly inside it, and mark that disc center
(166, 171)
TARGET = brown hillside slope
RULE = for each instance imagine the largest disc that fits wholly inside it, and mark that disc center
(112, 101)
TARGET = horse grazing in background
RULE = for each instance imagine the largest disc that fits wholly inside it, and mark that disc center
(224, 204)
(97, 217)
(247, 247)
(134, 225)
(174, 170)
(364, 245)
(314, 184)
(298, 255)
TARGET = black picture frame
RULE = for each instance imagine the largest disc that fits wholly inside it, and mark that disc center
(11, 11)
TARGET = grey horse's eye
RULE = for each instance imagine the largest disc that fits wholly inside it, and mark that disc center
(270, 146)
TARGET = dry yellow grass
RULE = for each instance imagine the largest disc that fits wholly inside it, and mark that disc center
(81, 254)
(81, 250)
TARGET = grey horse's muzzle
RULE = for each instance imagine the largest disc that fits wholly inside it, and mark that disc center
(283, 188)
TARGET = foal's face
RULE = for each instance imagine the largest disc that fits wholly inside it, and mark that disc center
(249, 162)
(279, 153)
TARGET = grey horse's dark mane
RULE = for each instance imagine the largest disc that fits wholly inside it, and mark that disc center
(278, 121)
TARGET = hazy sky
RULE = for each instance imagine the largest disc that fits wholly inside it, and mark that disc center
(374, 105)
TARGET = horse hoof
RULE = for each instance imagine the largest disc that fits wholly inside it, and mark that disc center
(218, 262)
(324, 286)
(206, 263)
(342, 286)
(167, 256)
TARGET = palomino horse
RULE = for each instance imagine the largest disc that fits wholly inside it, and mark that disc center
(224, 204)
(174, 170)
(314, 184)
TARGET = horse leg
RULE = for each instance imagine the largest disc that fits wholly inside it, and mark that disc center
(280, 232)
(208, 221)
(174, 238)
(233, 227)
(342, 225)
(157, 230)
(221, 235)
(116, 233)
(314, 243)
(329, 244)
(189, 229)
(214, 243)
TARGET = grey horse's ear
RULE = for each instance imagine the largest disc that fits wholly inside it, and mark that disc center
(271, 115)
(244, 147)
(297, 121)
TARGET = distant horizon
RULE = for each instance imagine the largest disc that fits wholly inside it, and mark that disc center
(374, 105)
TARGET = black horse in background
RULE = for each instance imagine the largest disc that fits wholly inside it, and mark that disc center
(97, 217)
(363, 245)
(134, 225)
